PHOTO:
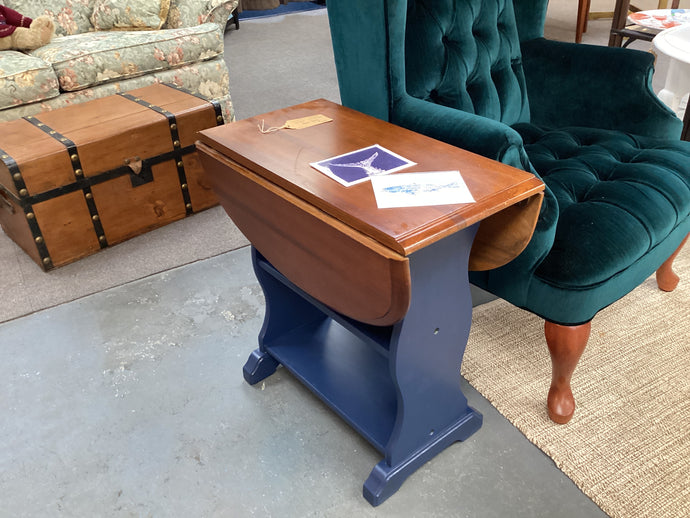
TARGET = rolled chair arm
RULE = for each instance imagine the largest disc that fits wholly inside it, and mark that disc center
(511, 282)
(493, 140)
(591, 86)
(474, 133)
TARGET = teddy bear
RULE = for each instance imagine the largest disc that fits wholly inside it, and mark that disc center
(20, 32)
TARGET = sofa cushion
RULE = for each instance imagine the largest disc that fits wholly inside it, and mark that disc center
(84, 60)
(183, 13)
(619, 196)
(25, 79)
(208, 78)
(129, 14)
(70, 16)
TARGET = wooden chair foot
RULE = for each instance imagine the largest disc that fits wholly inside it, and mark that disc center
(666, 278)
(582, 15)
(566, 344)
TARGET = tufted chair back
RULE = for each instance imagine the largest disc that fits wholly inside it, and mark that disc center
(451, 49)
(466, 55)
(393, 56)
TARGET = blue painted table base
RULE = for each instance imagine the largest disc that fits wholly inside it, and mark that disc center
(398, 386)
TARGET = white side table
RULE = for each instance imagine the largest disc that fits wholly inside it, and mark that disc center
(675, 43)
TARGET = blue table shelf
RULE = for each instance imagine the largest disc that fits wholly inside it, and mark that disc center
(398, 385)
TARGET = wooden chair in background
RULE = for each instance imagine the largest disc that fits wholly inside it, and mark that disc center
(619, 15)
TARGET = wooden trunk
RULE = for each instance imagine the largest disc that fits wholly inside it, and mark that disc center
(81, 178)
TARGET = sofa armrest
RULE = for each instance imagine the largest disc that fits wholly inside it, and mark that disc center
(188, 13)
(572, 84)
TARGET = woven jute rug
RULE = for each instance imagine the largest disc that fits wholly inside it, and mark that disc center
(628, 444)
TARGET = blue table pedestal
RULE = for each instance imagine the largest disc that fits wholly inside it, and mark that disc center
(398, 385)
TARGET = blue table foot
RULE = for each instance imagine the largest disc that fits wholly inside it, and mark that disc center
(384, 480)
(259, 366)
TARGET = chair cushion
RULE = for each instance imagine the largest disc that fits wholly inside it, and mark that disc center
(85, 60)
(25, 79)
(619, 196)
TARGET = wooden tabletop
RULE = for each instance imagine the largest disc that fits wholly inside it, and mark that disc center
(283, 157)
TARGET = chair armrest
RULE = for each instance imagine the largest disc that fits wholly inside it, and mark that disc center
(512, 281)
(474, 133)
(488, 138)
(572, 84)
(189, 13)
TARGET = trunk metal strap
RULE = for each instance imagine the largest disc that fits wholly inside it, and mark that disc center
(34, 228)
(177, 149)
(78, 175)
(216, 105)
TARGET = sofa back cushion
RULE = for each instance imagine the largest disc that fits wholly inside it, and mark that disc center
(182, 13)
(70, 16)
(465, 54)
(188, 13)
(129, 14)
(86, 60)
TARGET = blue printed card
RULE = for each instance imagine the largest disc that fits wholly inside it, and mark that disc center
(361, 165)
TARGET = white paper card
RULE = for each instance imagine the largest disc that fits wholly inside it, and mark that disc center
(420, 189)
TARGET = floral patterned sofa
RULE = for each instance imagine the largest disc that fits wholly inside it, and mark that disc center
(103, 47)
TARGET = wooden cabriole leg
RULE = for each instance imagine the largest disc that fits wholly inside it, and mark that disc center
(566, 344)
(666, 278)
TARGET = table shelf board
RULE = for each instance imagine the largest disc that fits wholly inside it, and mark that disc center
(345, 372)
(377, 336)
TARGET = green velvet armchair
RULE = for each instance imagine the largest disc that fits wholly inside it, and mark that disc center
(479, 74)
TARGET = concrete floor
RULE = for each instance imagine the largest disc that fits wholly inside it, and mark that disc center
(131, 402)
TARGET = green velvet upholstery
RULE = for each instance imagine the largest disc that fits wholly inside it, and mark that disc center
(623, 208)
(595, 87)
(466, 56)
(478, 74)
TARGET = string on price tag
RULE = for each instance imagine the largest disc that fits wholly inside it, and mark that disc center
(304, 122)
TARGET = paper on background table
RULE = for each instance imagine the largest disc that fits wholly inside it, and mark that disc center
(421, 189)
